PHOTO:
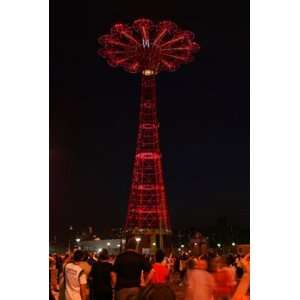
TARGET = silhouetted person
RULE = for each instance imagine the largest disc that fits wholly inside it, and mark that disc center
(101, 277)
(127, 271)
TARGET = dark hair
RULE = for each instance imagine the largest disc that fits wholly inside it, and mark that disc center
(78, 255)
(191, 263)
(131, 243)
(159, 255)
(85, 255)
(103, 254)
(230, 259)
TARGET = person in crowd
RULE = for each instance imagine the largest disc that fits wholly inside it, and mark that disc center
(160, 271)
(199, 283)
(85, 265)
(75, 278)
(182, 268)
(53, 282)
(127, 271)
(230, 267)
(239, 267)
(91, 258)
(59, 263)
(243, 289)
(101, 277)
(225, 283)
(66, 259)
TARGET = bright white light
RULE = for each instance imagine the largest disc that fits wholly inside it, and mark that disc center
(77, 240)
(179, 249)
(138, 239)
(196, 244)
(190, 251)
(100, 249)
(219, 245)
(233, 244)
(182, 246)
(153, 244)
(148, 72)
(118, 245)
(108, 244)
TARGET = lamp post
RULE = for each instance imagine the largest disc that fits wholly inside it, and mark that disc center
(138, 239)
(69, 238)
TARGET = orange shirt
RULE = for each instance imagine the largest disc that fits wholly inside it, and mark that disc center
(160, 274)
(223, 283)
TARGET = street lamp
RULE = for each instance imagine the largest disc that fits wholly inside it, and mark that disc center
(138, 239)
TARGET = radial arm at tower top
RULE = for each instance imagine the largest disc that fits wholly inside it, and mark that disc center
(148, 48)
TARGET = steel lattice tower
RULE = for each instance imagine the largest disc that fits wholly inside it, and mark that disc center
(148, 48)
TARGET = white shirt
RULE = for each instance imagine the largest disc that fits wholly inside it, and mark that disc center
(74, 277)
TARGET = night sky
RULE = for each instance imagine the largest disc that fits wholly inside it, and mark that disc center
(203, 109)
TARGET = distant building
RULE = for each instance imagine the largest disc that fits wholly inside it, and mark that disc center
(114, 246)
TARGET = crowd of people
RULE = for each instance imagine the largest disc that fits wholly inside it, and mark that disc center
(133, 276)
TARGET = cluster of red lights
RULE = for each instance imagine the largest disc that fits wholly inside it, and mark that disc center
(148, 48)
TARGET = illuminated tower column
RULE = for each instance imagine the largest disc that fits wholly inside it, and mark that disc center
(148, 49)
(147, 207)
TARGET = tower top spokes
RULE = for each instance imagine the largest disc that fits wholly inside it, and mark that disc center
(148, 48)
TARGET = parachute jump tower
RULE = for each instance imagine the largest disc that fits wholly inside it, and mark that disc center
(147, 48)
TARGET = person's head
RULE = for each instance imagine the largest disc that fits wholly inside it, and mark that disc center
(131, 244)
(104, 255)
(159, 255)
(217, 263)
(229, 260)
(78, 255)
(191, 263)
(85, 255)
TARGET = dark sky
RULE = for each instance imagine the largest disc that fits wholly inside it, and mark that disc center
(203, 110)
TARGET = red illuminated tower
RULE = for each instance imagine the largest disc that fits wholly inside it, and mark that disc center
(148, 48)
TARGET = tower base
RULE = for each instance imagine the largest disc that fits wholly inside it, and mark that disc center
(151, 240)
